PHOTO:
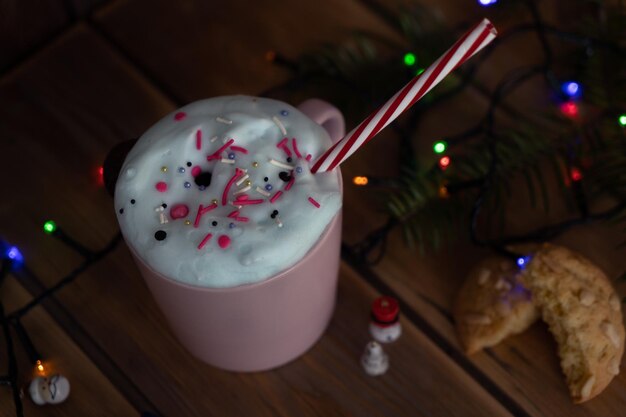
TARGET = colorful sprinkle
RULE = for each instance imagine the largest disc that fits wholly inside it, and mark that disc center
(280, 164)
(268, 187)
(283, 145)
(245, 177)
(238, 172)
(213, 223)
(180, 116)
(227, 161)
(276, 196)
(214, 201)
(280, 125)
(181, 170)
(201, 211)
(231, 155)
(161, 186)
(299, 170)
(242, 197)
(284, 112)
(262, 191)
(222, 120)
(255, 164)
(284, 176)
(315, 203)
(213, 139)
(290, 183)
(216, 154)
(163, 169)
(239, 149)
(187, 222)
(249, 202)
(205, 240)
(188, 164)
(243, 190)
(199, 139)
(160, 235)
(308, 157)
(187, 184)
(231, 225)
(248, 183)
(132, 201)
(294, 144)
(179, 211)
(278, 222)
(121, 211)
(195, 171)
(223, 241)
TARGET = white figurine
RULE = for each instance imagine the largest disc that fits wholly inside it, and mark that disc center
(49, 390)
(385, 325)
(374, 360)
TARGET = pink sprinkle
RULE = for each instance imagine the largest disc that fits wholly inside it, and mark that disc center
(282, 143)
(223, 241)
(275, 196)
(216, 154)
(295, 147)
(242, 197)
(161, 187)
(315, 203)
(290, 183)
(242, 219)
(199, 139)
(180, 116)
(239, 149)
(179, 211)
(308, 157)
(195, 171)
(201, 211)
(238, 173)
(234, 214)
(249, 202)
(205, 240)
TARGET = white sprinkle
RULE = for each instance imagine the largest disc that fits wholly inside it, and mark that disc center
(281, 164)
(162, 218)
(262, 191)
(213, 139)
(235, 205)
(280, 125)
(222, 120)
(278, 222)
(245, 177)
(242, 190)
(159, 209)
(227, 161)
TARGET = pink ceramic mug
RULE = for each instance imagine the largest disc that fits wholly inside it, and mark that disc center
(259, 326)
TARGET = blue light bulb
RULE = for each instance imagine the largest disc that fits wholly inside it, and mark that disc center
(572, 89)
(14, 254)
(522, 261)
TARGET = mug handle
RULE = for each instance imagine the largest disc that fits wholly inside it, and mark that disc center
(325, 115)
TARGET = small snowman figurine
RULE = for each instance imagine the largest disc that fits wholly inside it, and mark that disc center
(49, 390)
(374, 360)
(385, 325)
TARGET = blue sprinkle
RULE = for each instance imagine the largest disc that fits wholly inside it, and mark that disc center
(299, 170)
(284, 113)
(268, 187)
(231, 155)
(181, 170)
(231, 225)
(187, 184)
(201, 187)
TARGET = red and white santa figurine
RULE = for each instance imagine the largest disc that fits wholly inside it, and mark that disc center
(385, 324)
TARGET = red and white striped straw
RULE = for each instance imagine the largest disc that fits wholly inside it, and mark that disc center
(466, 47)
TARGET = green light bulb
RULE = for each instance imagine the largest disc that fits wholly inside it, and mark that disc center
(622, 120)
(49, 227)
(439, 147)
(420, 71)
(409, 59)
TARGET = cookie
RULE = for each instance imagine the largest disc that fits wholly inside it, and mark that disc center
(584, 314)
(492, 305)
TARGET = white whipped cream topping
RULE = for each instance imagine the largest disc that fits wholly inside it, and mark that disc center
(251, 245)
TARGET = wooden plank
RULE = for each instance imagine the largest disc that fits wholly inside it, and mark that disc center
(86, 115)
(220, 49)
(92, 394)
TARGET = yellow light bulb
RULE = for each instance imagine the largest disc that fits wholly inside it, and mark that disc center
(360, 181)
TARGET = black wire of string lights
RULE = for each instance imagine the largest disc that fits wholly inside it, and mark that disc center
(12, 262)
(377, 238)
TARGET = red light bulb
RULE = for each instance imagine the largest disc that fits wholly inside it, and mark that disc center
(569, 109)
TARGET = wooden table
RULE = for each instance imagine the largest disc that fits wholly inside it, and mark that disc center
(80, 78)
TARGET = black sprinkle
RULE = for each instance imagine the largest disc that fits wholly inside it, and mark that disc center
(266, 179)
(203, 179)
(121, 211)
(132, 201)
(284, 175)
(164, 205)
(289, 159)
(160, 235)
(275, 212)
(188, 164)
(214, 223)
